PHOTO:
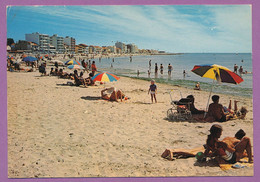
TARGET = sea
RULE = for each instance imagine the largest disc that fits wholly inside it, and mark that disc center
(124, 66)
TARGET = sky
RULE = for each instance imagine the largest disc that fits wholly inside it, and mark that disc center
(170, 28)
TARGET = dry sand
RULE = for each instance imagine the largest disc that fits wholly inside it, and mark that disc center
(67, 131)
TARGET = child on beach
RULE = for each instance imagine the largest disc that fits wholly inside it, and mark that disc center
(153, 90)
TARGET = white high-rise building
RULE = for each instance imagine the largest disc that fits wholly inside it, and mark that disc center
(122, 46)
(71, 42)
(58, 43)
(43, 40)
(132, 48)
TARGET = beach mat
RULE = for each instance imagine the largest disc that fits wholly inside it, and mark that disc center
(238, 165)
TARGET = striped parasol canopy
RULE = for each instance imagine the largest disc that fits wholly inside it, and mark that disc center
(217, 72)
(105, 77)
(75, 66)
(69, 62)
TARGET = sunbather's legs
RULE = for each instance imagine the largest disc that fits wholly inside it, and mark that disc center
(230, 105)
(235, 103)
(244, 144)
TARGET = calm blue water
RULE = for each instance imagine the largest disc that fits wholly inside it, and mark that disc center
(123, 66)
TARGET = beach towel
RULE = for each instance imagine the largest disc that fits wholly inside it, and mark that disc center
(238, 165)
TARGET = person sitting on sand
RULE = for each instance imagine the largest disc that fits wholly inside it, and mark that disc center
(112, 94)
(77, 80)
(216, 111)
(230, 151)
(62, 74)
(42, 69)
(51, 72)
(89, 80)
(197, 86)
(193, 109)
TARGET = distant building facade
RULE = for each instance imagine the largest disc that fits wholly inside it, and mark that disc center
(43, 41)
(132, 48)
(71, 42)
(121, 46)
(58, 43)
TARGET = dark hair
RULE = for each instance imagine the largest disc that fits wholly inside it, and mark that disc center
(215, 98)
(240, 134)
(81, 73)
(90, 74)
(214, 130)
(191, 97)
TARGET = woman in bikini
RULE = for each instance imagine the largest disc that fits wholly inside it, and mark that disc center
(112, 94)
(228, 150)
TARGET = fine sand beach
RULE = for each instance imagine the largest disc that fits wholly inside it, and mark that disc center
(57, 130)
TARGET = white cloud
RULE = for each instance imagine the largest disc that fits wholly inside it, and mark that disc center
(228, 28)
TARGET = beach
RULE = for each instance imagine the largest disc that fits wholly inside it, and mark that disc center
(57, 130)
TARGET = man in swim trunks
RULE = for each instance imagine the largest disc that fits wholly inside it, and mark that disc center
(153, 90)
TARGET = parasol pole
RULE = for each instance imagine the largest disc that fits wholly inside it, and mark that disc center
(210, 94)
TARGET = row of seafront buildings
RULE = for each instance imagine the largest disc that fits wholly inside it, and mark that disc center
(43, 43)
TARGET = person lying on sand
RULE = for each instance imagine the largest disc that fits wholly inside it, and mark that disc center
(237, 144)
(112, 94)
(230, 149)
(192, 106)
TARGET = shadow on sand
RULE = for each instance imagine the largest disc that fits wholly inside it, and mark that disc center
(210, 163)
(91, 98)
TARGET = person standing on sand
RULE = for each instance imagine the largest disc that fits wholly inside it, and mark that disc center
(153, 91)
(161, 68)
(93, 68)
(89, 64)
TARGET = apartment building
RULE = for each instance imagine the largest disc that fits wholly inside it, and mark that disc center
(122, 46)
(82, 48)
(43, 41)
(132, 48)
(71, 42)
(58, 43)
